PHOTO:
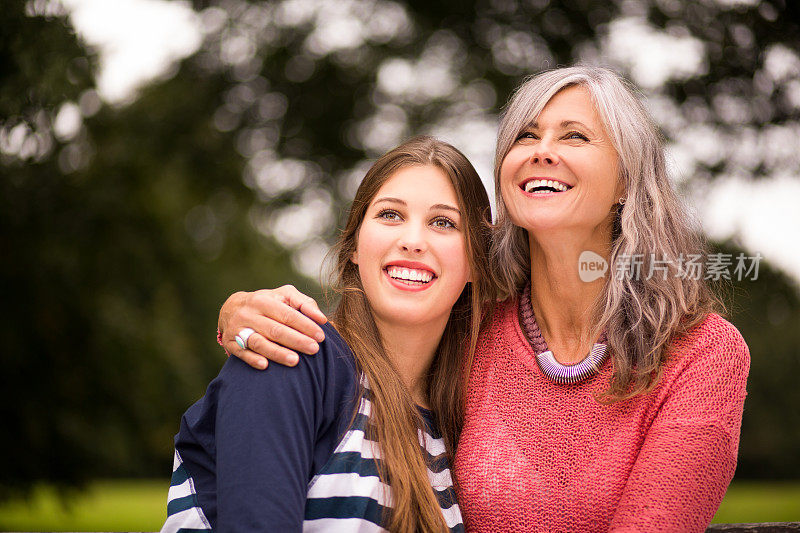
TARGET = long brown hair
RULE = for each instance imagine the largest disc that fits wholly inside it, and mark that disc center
(395, 419)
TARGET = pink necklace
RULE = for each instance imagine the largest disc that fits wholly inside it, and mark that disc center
(551, 368)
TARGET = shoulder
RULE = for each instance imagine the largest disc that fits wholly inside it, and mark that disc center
(714, 333)
(504, 313)
(334, 346)
(245, 398)
(334, 359)
(316, 388)
(318, 384)
(500, 336)
(714, 343)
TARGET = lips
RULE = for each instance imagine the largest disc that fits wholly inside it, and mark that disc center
(543, 186)
(409, 274)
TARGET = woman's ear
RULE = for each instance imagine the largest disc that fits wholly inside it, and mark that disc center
(354, 257)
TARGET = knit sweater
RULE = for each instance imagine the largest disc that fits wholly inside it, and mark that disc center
(536, 455)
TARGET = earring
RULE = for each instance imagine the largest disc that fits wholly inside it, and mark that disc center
(619, 206)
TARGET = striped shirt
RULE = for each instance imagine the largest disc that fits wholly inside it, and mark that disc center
(275, 450)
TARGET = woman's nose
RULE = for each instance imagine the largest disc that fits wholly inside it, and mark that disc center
(413, 241)
(544, 155)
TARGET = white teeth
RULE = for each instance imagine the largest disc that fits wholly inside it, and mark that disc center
(557, 185)
(410, 274)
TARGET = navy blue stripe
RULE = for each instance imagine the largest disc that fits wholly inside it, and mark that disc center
(179, 476)
(350, 462)
(347, 462)
(436, 464)
(446, 497)
(430, 423)
(430, 459)
(360, 422)
(181, 504)
(427, 418)
(344, 507)
(365, 508)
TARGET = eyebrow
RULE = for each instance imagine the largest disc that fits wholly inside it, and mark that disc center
(565, 124)
(388, 199)
(447, 208)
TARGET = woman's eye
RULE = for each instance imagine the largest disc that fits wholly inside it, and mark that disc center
(443, 222)
(576, 135)
(526, 135)
(388, 214)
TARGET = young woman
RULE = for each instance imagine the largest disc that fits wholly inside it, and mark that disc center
(359, 437)
(595, 403)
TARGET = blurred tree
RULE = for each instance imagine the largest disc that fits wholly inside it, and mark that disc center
(767, 313)
(123, 234)
(127, 226)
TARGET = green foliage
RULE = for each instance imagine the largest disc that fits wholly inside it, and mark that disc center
(759, 501)
(118, 505)
(53, 71)
(114, 273)
(767, 313)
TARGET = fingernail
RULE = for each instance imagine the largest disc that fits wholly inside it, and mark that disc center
(292, 360)
(320, 336)
(262, 364)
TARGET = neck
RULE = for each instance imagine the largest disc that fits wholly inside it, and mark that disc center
(562, 302)
(412, 347)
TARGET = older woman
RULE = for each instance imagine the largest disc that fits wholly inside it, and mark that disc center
(605, 394)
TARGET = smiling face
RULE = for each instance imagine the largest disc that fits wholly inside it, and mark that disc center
(411, 254)
(561, 172)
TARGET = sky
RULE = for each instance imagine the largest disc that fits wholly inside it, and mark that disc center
(141, 40)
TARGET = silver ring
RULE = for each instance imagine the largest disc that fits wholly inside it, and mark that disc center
(242, 337)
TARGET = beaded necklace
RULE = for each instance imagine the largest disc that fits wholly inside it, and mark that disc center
(558, 372)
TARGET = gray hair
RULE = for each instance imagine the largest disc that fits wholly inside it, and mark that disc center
(640, 316)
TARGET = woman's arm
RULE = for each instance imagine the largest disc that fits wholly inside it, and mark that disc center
(232, 442)
(688, 456)
(284, 319)
(262, 482)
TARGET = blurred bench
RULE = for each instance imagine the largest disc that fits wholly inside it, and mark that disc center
(764, 527)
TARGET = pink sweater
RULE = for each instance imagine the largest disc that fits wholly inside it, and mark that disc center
(538, 456)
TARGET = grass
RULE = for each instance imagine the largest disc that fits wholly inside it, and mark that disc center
(118, 505)
(760, 501)
(140, 505)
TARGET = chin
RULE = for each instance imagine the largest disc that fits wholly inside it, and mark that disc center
(407, 318)
(538, 223)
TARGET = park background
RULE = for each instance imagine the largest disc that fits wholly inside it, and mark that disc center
(157, 156)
